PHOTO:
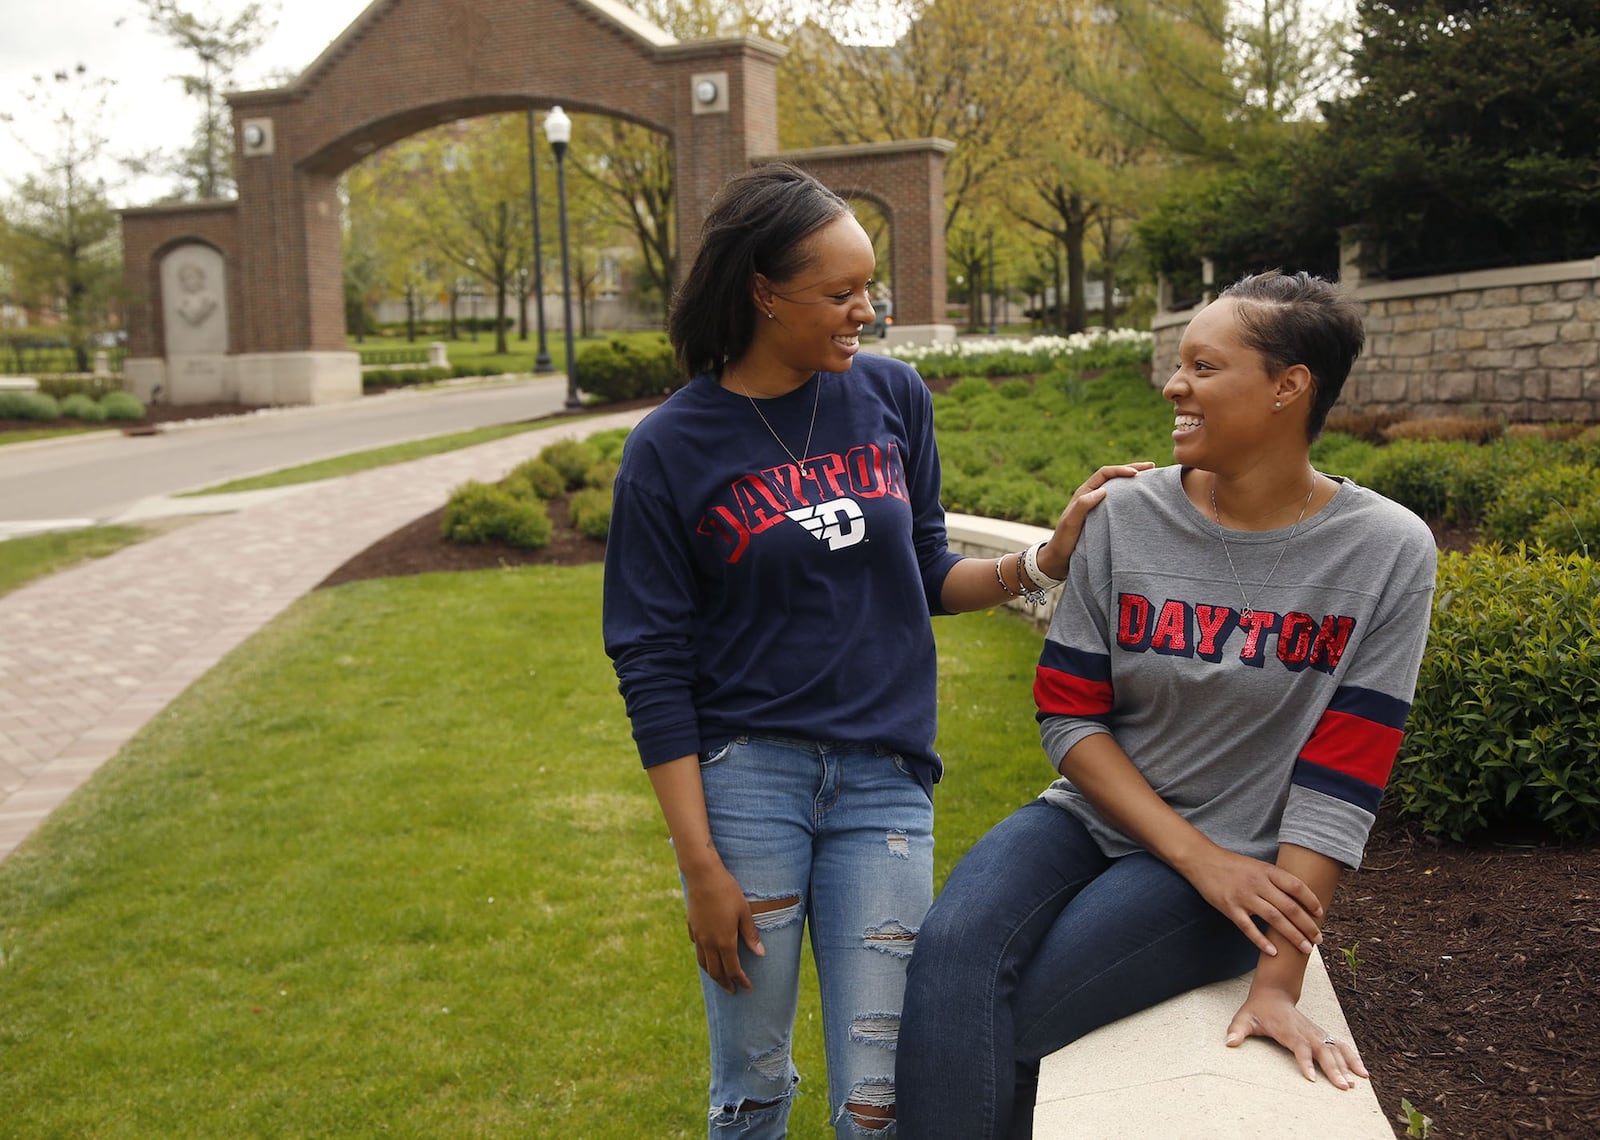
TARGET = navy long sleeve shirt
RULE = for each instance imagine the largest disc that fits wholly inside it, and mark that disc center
(746, 594)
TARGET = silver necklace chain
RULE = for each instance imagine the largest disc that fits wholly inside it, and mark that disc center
(816, 401)
(1249, 611)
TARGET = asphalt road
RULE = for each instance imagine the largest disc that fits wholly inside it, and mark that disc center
(101, 476)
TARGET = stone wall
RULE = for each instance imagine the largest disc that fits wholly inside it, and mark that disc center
(1518, 344)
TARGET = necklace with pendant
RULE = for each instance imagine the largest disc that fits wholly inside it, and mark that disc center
(1249, 611)
(816, 401)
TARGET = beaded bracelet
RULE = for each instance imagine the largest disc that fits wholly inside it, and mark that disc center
(998, 577)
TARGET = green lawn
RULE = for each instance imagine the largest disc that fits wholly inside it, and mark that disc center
(35, 555)
(392, 869)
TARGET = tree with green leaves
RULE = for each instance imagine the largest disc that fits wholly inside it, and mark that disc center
(219, 44)
(1471, 137)
(61, 238)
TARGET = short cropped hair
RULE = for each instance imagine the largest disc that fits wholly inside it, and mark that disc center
(755, 225)
(1295, 318)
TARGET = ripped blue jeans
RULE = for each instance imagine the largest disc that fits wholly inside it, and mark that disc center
(840, 836)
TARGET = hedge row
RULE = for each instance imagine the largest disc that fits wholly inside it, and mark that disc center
(516, 510)
(40, 407)
(630, 369)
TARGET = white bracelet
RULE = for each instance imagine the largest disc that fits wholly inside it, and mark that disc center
(1030, 565)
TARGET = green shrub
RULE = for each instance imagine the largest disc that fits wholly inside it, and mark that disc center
(536, 478)
(969, 388)
(1572, 530)
(609, 443)
(1015, 390)
(572, 458)
(1414, 474)
(619, 369)
(479, 512)
(1503, 730)
(1341, 454)
(1525, 501)
(601, 474)
(122, 406)
(63, 386)
(590, 511)
(34, 406)
(80, 407)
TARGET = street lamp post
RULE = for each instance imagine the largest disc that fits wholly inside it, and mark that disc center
(558, 129)
(541, 363)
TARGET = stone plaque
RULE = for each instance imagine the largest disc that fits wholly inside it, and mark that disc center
(194, 301)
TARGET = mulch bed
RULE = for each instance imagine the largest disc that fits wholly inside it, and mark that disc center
(1473, 993)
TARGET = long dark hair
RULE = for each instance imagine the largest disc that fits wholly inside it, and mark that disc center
(756, 224)
(1295, 318)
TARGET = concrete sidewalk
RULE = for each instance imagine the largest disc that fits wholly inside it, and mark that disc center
(88, 655)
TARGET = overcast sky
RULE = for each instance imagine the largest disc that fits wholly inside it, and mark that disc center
(148, 109)
(113, 39)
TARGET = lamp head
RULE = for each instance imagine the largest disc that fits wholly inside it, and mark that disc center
(558, 128)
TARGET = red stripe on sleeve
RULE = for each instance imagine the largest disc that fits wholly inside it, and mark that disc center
(1061, 694)
(1354, 746)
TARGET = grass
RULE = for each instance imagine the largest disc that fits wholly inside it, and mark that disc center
(392, 868)
(27, 435)
(366, 460)
(33, 556)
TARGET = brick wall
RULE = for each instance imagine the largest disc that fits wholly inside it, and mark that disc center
(147, 236)
(1518, 344)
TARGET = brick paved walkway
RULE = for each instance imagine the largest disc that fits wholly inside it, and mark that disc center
(88, 655)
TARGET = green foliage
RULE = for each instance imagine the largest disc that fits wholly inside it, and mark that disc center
(1502, 729)
(628, 369)
(61, 387)
(1456, 482)
(1340, 454)
(1418, 1125)
(1020, 458)
(572, 459)
(590, 511)
(608, 443)
(34, 406)
(122, 406)
(480, 512)
(1527, 501)
(1005, 356)
(389, 377)
(1574, 530)
(80, 407)
(535, 477)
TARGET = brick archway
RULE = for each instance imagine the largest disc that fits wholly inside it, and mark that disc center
(406, 65)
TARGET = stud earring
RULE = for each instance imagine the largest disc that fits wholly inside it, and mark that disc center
(770, 315)
(1276, 404)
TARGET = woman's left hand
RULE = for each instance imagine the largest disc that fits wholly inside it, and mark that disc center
(1056, 553)
(1274, 1014)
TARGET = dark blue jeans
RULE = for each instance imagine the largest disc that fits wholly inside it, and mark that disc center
(1036, 939)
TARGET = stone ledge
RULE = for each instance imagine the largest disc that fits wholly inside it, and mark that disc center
(1165, 1072)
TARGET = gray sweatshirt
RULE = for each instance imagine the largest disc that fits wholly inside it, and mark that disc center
(1279, 729)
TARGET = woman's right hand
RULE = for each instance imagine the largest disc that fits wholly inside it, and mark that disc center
(719, 919)
(1057, 552)
(1244, 889)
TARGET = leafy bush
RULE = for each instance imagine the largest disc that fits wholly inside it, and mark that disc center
(81, 407)
(535, 478)
(1414, 474)
(1462, 429)
(1526, 501)
(383, 377)
(609, 443)
(34, 406)
(480, 512)
(619, 369)
(601, 474)
(122, 406)
(1573, 530)
(1341, 454)
(572, 458)
(590, 511)
(63, 386)
(1503, 728)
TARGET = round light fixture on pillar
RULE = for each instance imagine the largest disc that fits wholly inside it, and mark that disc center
(254, 136)
(706, 91)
